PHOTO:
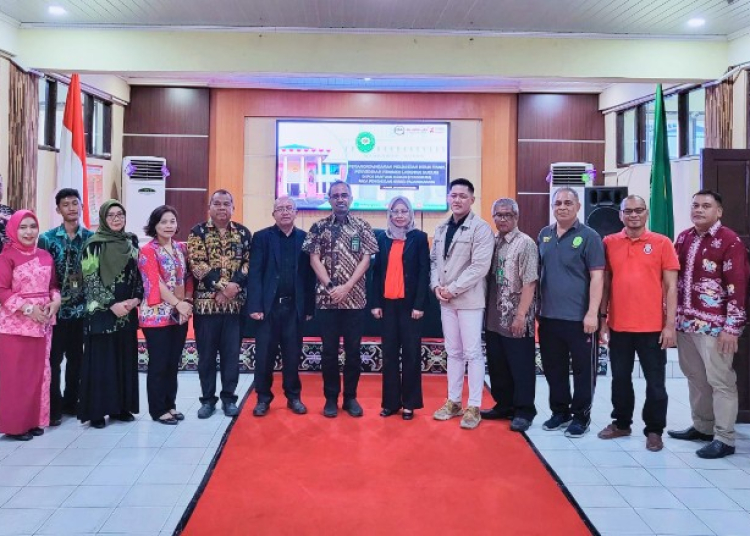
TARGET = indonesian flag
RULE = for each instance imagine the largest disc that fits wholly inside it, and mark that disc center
(71, 165)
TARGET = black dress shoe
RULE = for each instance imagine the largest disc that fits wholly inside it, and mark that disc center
(20, 437)
(407, 415)
(690, 434)
(230, 409)
(55, 422)
(123, 417)
(353, 408)
(261, 409)
(177, 415)
(97, 423)
(36, 431)
(385, 412)
(493, 414)
(296, 406)
(715, 449)
(331, 409)
(171, 421)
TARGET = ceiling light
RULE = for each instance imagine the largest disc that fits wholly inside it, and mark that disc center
(696, 23)
(56, 10)
(367, 79)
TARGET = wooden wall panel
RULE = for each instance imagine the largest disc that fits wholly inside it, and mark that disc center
(229, 107)
(534, 159)
(192, 207)
(533, 213)
(187, 158)
(560, 117)
(168, 110)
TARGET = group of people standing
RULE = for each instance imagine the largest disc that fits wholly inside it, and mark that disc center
(81, 295)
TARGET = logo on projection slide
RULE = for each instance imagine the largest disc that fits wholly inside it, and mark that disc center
(365, 142)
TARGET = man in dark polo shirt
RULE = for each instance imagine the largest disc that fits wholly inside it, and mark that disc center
(280, 297)
(571, 279)
(340, 247)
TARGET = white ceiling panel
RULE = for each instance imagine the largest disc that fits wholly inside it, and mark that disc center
(635, 17)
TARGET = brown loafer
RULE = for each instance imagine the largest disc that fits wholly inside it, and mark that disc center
(611, 431)
(654, 442)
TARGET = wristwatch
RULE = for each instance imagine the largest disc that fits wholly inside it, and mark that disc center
(28, 309)
(330, 285)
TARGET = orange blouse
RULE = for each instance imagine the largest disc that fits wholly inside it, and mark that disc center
(394, 273)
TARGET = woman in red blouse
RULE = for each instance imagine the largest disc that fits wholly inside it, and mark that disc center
(401, 276)
(165, 311)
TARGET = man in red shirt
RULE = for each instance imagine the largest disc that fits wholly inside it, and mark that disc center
(640, 277)
(711, 291)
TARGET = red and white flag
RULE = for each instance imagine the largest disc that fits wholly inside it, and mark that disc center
(71, 164)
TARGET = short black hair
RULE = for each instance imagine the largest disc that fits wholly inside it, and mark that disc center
(155, 218)
(462, 182)
(221, 191)
(66, 192)
(716, 195)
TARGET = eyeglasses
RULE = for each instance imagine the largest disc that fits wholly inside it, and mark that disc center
(399, 212)
(504, 215)
(339, 196)
(629, 211)
(282, 210)
(117, 216)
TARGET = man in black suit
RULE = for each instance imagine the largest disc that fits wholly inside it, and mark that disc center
(280, 297)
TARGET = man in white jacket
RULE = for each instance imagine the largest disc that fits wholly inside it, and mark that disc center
(460, 259)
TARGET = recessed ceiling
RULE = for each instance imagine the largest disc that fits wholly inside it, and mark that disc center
(635, 17)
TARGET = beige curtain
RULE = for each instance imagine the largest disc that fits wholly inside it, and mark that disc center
(23, 139)
(719, 115)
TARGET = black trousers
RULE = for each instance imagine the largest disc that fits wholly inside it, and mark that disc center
(280, 329)
(510, 362)
(401, 338)
(334, 324)
(165, 346)
(67, 341)
(622, 349)
(564, 344)
(220, 333)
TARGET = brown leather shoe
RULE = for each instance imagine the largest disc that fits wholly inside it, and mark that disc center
(654, 442)
(612, 432)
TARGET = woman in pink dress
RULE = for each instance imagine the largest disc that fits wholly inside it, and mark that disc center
(29, 300)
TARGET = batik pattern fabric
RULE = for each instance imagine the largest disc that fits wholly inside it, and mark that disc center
(712, 283)
(515, 264)
(341, 246)
(66, 253)
(100, 297)
(217, 259)
(157, 264)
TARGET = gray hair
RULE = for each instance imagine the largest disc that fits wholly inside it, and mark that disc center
(566, 189)
(285, 198)
(633, 197)
(506, 202)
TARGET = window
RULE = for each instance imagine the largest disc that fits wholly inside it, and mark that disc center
(97, 119)
(685, 114)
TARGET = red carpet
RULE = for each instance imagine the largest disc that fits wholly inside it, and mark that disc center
(287, 474)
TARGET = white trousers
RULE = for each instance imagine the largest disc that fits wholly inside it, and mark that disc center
(462, 332)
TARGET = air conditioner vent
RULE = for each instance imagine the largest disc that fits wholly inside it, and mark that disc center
(143, 169)
(569, 173)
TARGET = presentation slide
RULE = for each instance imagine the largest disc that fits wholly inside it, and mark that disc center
(378, 159)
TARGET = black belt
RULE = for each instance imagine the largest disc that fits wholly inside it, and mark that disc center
(284, 300)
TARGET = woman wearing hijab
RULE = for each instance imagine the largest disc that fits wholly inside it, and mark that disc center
(401, 276)
(30, 300)
(113, 289)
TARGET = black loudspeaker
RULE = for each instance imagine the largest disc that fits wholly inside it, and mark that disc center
(601, 208)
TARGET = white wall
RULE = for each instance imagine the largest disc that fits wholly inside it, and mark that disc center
(9, 29)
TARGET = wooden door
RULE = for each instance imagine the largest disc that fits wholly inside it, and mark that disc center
(727, 171)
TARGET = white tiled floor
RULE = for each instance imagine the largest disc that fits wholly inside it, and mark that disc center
(625, 489)
(129, 478)
(137, 478)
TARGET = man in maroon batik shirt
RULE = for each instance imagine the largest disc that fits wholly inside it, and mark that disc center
(711, 292)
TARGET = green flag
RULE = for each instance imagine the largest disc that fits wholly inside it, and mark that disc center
(661, 217)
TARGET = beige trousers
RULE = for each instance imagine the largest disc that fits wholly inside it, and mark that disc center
(712, 384)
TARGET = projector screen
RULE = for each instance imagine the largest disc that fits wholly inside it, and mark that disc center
(378, 159)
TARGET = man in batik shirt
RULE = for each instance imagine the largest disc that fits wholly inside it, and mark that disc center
(711, 293)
